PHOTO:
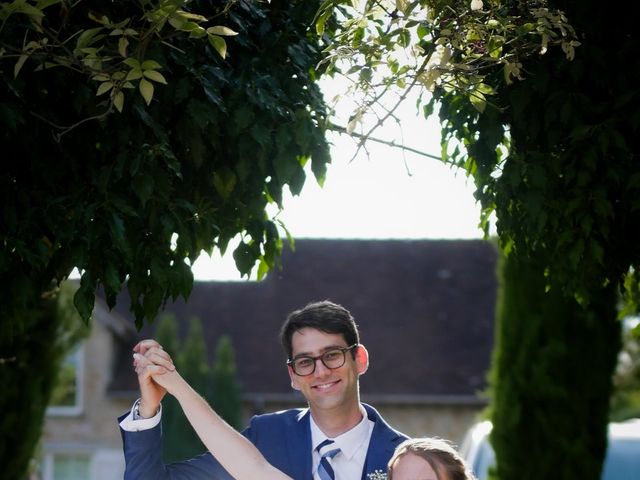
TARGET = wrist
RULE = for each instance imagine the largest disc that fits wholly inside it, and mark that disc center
(142, 411)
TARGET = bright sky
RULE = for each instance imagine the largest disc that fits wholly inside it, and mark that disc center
(389, 194)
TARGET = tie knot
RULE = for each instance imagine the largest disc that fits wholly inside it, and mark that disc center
(326, 449)
(322, 445)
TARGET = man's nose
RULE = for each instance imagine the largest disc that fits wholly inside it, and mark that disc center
(321, 370)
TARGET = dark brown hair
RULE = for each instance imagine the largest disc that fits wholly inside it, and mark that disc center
(325, 316)
(440, 454)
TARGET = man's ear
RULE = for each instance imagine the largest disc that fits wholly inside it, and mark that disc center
(362, 359)
(294, 378)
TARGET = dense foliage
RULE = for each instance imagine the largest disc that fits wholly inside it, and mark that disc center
(184, 167)
(569, 188)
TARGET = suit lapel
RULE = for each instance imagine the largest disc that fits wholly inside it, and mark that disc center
(381, 446)
(299, 447)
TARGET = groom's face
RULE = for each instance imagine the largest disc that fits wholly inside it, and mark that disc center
(327, 389)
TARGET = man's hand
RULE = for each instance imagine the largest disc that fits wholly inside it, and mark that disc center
(150, 359)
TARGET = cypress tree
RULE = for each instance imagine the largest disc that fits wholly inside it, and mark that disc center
(172, 417)
(551, 376)
(167, 334)
(190, 358)
(226, 391)
(217, 384)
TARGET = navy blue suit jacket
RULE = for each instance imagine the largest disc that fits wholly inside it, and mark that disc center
(284, 438)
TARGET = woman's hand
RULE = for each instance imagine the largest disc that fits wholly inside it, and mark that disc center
(156, 367)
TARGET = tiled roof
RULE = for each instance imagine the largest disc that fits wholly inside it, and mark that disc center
(425, 309)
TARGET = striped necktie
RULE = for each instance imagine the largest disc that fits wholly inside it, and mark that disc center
(326, 451)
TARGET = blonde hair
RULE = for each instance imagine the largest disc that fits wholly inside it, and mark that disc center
(440, 454)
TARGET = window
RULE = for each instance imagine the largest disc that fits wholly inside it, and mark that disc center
(68, 467)
(67, 397)
(65, 466)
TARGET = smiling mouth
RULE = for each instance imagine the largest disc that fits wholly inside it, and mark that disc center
(325, 386)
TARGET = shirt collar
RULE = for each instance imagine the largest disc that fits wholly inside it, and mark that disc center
(350, 441)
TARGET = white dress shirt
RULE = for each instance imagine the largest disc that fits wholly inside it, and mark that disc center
(353, 445)
(347, 465)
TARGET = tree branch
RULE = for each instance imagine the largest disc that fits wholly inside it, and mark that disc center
(390, 143)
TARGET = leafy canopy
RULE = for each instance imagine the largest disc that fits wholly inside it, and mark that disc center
(131, 184)
(548, 138)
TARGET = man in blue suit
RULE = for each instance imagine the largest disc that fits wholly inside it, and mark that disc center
(336, 437)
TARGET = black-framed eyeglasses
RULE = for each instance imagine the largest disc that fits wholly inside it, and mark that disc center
(305, 365)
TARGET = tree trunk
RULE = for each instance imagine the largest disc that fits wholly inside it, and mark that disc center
(30, 360)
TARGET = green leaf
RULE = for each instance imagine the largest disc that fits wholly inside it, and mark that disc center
(263, 269)
(88, 37)
(123, 43)
(132, 62)
(41, 4)
(478, 101)
(190, 16)
(422, 31)
(494, 46)
(244, 258)
(485, 89)
(177, 22)
(404, 38)
(155, 76)
(19, 64)
(197, 31)
(221, 30)
(117, 225)
(104, 88)
(322, 20)
(84, 297)
(219, 44)
(150, 65)
(118, 101)
(366, 74)
(21, 6)
(134, 74)
(146, 89)
(224, 182)
(152, 301)
(111, 278)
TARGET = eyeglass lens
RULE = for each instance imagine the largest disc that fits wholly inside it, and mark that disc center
(306, 365)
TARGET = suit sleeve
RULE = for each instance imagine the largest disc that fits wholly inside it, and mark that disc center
(143, 459)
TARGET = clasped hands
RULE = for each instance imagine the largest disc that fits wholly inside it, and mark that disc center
(157, 375)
